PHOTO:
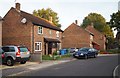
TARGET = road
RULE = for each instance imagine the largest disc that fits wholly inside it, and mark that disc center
(100, 66)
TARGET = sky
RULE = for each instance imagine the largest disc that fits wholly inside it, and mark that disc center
(68, 10)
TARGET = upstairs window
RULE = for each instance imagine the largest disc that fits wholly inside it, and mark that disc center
(57, 33)
(50, 32)
(40, 30)
(91, 37)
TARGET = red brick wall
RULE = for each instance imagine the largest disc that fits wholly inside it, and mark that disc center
(75, 36)
(0, 33)
(98, 37)
(15, 32)
(46, 34)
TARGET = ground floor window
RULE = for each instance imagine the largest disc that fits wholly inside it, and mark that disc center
(38, 46)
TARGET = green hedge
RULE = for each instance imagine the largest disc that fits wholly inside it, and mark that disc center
(55, 57)
(113, 51)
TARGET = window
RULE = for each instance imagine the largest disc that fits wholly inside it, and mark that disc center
(23, 49)
(40, 30)
(57, 33)
(11, 49)
(50, 32)
(38, 46)
(8, 49)
(91, 37)
(5, 49)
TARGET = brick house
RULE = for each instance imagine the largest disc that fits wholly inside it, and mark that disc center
(76, 37)
(38, 34)
(98, 37)
(1, 20)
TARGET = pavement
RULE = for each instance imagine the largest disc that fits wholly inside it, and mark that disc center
(30, 66)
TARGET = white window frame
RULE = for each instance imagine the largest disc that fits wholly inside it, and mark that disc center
(57, 34)
(38, 44)
(40, 30)
(91, 37)
(50, 32)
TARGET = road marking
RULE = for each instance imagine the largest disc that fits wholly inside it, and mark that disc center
(18, 73)
(114, 72)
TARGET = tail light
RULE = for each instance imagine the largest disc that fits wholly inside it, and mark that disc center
(18, 53)
(29, 50)
(3, 55)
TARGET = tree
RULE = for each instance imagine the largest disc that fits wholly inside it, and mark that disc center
(115, 23)
(47, 14)
(99, 23)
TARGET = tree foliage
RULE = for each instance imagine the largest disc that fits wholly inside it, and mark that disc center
(99, 23)
(46, 14)
(115, 21)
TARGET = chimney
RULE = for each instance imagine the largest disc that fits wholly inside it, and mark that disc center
(76, 22)
(17, 6)
(50, 19)
(92, 24)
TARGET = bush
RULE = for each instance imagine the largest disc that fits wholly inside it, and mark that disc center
(47, 57)
(113, 51)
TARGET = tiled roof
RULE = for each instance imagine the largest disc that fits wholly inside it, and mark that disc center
(38, 21)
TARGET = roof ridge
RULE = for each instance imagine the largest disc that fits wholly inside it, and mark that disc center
(95, 30)
(38, 20)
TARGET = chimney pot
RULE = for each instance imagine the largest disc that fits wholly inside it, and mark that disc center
(76, 22)
(92, 24)
(17, 6)
(50, 19)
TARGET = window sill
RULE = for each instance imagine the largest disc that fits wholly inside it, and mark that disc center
(38, 50)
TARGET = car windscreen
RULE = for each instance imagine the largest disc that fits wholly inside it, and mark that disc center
(84, 49)
(23, 49)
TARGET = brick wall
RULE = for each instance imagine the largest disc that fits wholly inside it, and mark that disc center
(15, 32)
(0, 33)
(47, 33)
(98, 37)
(75, 36)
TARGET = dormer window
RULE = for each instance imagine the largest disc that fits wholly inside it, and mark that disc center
(40, 30)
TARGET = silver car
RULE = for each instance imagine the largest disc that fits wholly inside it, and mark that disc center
(14, 54)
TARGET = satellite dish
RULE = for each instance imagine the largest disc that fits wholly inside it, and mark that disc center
(24, 20)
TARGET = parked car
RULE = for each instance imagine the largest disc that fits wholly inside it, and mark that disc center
(12, 54)
(86, 52)
(1, 55)
(72, 50)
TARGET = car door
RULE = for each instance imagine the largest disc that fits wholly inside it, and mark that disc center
(0, 56)
(90, 52)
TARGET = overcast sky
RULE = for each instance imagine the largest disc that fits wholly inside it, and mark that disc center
(68, 10)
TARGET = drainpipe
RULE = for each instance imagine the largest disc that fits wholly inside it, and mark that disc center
(32, 44)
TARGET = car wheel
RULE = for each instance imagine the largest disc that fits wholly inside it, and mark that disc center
(22, 62)
(86, 57)
(10, 62)
(95, 56)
